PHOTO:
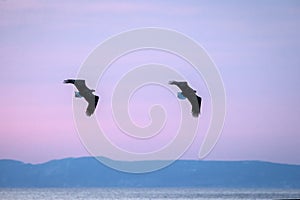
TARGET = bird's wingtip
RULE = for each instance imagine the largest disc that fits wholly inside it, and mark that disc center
(88, 113)
(70, 81)
(195, 114)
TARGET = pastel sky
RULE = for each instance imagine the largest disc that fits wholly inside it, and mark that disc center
(255, 45)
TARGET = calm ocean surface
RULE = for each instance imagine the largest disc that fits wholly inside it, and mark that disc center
(144, 193)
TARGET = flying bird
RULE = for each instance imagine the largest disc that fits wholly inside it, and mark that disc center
(86, 93)
(190, 94)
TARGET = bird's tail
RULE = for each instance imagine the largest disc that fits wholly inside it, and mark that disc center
(69, 81)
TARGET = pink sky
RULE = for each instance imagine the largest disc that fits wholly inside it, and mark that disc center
(254, 44)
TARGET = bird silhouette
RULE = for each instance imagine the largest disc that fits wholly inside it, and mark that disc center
(190, 94)
(86, 93)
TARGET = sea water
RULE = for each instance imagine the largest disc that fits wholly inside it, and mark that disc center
(143, 193)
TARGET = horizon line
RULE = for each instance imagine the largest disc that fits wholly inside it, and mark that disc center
(200, 160)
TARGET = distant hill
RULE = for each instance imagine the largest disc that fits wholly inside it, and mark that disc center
(88, 172)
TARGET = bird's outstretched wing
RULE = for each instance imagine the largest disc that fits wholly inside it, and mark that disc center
(79, 84)
(93, 101)
(195, 101)
(190, 94)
